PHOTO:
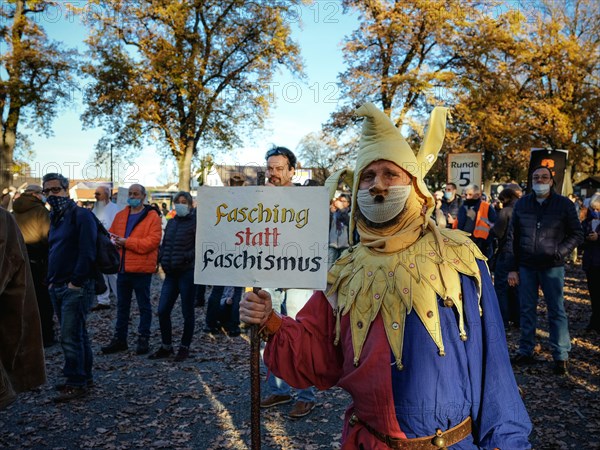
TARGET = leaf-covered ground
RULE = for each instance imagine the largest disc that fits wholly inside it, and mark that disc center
(204, 402)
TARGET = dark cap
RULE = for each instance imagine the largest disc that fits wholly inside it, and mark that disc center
(33, 189)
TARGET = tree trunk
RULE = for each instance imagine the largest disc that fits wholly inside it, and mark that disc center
(486, 172)
(7, 148)
(8, 136)
(184, 164)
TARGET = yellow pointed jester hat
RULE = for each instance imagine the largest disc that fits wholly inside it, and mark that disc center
(366, 280)
(381, 139)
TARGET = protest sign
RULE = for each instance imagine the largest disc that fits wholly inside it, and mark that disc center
(464, 169)
(273, 237)
(122, 196)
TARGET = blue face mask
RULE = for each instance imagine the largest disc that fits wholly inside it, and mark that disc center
(448, 195)
(181, 209)
(44, 199)
(134, 202)
(595, 215)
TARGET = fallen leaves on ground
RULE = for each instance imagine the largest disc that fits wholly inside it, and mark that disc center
(204, 402)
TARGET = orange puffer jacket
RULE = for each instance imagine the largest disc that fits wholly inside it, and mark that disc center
(141, 248)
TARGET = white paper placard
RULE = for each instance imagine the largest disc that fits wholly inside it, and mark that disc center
(122, 196)
(465, 169)
(274, 237)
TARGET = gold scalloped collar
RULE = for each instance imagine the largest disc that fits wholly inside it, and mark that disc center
(368, 282)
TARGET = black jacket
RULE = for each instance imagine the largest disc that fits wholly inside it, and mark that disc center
(541, 236)
(178, 246)
(72, 242)
(500, 229)
(591, 249)
(451, 208)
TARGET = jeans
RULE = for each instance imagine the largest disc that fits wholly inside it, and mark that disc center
(333, 254)
(508, 299)
(175, 284)
(226, 316)
(127, 283)
(552, 282)
(72, 307)
(279, 387)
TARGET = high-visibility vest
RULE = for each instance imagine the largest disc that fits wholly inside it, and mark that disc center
(482, 222)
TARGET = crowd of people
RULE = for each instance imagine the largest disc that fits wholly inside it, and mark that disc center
(405, 266)
(555, 232)
(60, 242)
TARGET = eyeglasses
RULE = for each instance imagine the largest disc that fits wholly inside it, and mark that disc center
(54, 190)
(540, 177)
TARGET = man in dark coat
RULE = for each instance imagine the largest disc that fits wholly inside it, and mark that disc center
(477, 217)
(451, 204)
(591, 259)
(34, 222)
(21, 352)
(71, 283)
(544, 230)
(507, 295)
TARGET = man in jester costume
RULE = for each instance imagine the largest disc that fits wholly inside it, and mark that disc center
(409, 324)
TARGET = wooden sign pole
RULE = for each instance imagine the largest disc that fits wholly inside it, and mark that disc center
(255, 370)
(255, 384)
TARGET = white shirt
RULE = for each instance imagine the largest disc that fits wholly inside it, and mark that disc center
(106, 213)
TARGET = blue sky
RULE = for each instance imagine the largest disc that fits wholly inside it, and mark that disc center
(300, 107)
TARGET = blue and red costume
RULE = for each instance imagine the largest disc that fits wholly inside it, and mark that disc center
(431, 392)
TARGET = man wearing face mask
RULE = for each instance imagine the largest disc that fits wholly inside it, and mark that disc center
(176, 256)
(451, 204)
(409, 324)
(544, 230)
(71, 285)
(476, 216)
(136, 232)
